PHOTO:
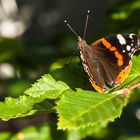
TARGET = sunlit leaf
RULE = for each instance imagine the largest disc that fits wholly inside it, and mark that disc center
(83, 108)
(18, 107)
(48, 87)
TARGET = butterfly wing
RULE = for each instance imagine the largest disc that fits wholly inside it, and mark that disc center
(92, 65)
(114, 54)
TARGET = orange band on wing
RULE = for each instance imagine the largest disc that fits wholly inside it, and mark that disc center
(120, 58)
(123, 74)
(98, 88)
(113, 49)
(106, 43)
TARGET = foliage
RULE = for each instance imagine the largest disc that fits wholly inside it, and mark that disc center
(75, 109)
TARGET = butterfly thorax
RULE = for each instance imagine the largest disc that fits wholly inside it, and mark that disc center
(85, 49)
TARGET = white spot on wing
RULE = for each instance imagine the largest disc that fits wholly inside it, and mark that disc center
(131, 35)
(121, 39)
(128, 48)
(123, 51)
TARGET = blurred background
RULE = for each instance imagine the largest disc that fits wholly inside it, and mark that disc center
(34, 40)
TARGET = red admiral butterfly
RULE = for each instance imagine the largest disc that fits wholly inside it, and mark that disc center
(107, 61)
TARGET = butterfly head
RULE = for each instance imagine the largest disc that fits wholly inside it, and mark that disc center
(81, 43)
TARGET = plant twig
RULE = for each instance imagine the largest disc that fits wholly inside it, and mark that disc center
(126, 90)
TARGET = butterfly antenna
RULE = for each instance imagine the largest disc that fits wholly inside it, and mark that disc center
(87, 17)
(65, 21)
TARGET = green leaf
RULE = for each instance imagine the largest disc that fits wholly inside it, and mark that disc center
(84, 108)
(47, 87)
(60, 63)
(23, 106)
(73, 75)
(18, 107)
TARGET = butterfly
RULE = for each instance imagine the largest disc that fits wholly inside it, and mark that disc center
(107, 61)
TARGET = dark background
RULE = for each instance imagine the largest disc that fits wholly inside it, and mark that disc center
(46, 17)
